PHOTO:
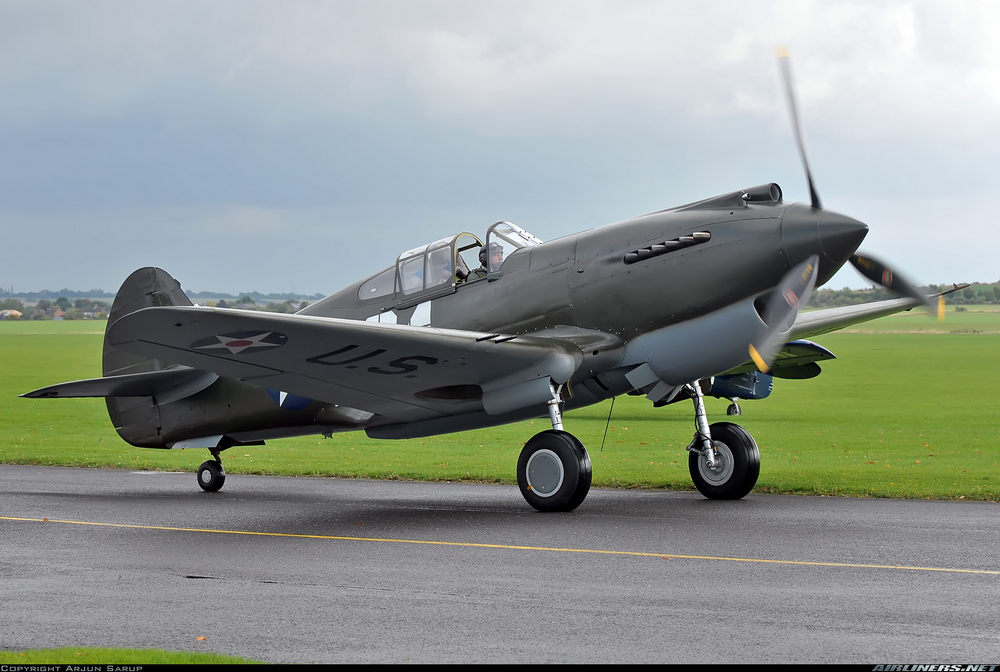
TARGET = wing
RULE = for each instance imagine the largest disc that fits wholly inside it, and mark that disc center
(401, 372)
(796, 359)
(831, 319)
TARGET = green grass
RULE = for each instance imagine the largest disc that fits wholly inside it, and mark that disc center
(78, 655)
(975, 319)
(62, 327)
(903, 412)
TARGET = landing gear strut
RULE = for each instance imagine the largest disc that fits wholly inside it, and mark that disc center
(553, 471)
(211, 475)
(724, 460)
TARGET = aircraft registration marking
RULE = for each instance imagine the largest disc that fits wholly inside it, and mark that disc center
(467, 544)
(400, 365)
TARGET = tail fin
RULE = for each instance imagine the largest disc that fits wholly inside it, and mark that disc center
(145, 288)
(137, 419)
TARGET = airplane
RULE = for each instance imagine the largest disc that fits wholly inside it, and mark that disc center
(700, 299)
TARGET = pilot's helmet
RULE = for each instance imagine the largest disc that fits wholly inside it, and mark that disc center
(495, 250)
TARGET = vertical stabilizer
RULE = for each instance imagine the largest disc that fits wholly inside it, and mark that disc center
(137, 419)
(145, 288)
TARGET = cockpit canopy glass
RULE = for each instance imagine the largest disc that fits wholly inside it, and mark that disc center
(429, 266)
(447, 262)
(503, 239)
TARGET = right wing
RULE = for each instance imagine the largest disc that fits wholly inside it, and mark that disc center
(824, 321)
(831, 319)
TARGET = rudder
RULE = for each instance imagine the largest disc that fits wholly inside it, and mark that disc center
(137, 419)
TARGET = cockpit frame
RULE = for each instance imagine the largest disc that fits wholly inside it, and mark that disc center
(439, 268)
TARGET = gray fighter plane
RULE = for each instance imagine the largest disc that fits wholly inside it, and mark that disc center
(470, 332)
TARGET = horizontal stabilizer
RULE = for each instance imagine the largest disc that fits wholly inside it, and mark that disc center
(165, 386)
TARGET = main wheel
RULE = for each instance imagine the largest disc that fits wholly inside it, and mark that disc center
(737, 464)
(211, 476)
(553, 471)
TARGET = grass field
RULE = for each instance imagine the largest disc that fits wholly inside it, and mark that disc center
(908, 410)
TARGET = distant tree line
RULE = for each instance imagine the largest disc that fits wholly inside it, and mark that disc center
(55, 296)
(87, 308)
(246, 302)
(61, 308)
(31, 297)
(257, 297)
(976, 293)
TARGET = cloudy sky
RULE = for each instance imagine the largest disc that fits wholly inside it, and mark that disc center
(298, 146)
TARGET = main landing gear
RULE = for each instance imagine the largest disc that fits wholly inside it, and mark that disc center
(724, 460)
(553, 471)
(211, 475)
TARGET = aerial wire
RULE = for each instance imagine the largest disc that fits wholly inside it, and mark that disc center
(610, 410)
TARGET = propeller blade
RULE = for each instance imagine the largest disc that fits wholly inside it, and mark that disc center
(784, 64)
(880, 274)
(783, 305)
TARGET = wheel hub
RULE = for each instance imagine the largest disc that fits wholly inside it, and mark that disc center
(723, 469)
(206, 476)
(544, 473)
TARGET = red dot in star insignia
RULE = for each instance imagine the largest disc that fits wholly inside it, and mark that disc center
(238, 344)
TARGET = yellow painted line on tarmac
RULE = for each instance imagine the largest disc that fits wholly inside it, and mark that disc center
(468, 544)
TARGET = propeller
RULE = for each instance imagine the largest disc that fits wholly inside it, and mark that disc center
(784, 64)
(780, 311)
(880, 274)
(871, 268)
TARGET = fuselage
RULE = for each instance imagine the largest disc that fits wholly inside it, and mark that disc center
(657, 288)
(583, 280)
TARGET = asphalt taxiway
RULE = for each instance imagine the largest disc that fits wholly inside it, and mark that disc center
(329, 570)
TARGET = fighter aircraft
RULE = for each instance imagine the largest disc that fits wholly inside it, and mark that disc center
(470, 332)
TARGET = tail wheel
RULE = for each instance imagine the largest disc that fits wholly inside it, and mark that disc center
(553, 471)
(737, 465)
(211, 476)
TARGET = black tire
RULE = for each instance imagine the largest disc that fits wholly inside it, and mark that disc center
(211, 476)
(739, 468)
(734, 410)
(553, 471)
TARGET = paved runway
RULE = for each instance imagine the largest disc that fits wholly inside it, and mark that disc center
(630, 577)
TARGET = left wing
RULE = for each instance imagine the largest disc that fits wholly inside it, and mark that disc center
(401, 372)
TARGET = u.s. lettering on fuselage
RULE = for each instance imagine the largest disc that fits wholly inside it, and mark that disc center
(349, 359)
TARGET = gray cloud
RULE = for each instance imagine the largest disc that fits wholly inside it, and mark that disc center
(245, 130)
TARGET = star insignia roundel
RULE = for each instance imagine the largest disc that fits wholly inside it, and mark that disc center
(242, 341)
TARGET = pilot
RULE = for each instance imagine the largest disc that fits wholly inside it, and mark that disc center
(494, 255)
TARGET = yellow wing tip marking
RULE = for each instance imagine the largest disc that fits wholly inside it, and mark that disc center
(758, 360)
(940, 309)
(782, 52)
